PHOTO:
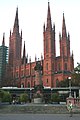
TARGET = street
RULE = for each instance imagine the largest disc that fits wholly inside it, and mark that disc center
(39, 117)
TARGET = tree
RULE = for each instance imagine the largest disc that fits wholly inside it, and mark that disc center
(23, 97)
(5, 96)
(63, 83)
(76, 76)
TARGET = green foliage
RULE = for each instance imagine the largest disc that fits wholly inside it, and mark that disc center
(63, 83)
(76, 76)
(55, 97)
(77, 69)
(23, 97)
(5, 96)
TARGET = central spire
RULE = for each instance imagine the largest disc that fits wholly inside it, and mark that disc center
(64, 34)
(49, 24)
(16, 23)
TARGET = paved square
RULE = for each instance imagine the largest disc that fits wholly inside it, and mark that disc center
(39, 117)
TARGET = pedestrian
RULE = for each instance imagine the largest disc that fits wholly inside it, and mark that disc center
(70, 107)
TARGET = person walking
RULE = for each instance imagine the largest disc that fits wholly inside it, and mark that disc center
(70, 107)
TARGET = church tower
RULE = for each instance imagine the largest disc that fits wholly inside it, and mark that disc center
(64, 41)
(49, 51)
(15, 44)
(65, 49)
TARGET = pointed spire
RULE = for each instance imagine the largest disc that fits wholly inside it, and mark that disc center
(54, 26)
(24, 51)
(35, 58)
(41, 56)
(30, 59)
(21, 33)
(24, 60)
(10, 33)
(27, 57)
(3, 41)
(49, 13)
(44, 28)
(68, 36)
(64, 34)
(49, 24)
(72, 54)
(59, 36)
(16, 23)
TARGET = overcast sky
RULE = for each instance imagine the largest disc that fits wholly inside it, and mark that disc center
(33, 14)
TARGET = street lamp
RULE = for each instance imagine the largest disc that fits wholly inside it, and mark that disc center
(69, 86)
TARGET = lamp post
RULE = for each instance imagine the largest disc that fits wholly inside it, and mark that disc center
(69, 86)
(30, 94)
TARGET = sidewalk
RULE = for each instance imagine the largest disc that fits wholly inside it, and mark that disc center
(76, 109)
(37, 109)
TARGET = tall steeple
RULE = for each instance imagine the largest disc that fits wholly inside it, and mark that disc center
(15, 43)
(64, 40)
(64, 34)
(49, 36)
(16, 18)
(16, 22)
(49, 48)
(49, 24)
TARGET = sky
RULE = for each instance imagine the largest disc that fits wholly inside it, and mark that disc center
(33, 15)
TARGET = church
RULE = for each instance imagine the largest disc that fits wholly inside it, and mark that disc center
(20, 70)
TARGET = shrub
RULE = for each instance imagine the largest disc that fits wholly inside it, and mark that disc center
(23, 97)
(5, 96)
(55, 97)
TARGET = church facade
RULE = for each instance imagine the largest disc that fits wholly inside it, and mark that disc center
(21, 71)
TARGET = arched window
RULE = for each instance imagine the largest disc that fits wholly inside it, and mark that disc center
(22, 85)
(65, 66)
(57, 83)
(47, 81)
(59, 67)
(47, 49)
(53, 66)
(46, 66)
(28, 84)
(34, 83)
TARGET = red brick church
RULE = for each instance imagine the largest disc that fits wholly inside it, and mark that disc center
(55, 69)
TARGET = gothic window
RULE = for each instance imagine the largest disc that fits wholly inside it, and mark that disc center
(32, 71)
(22, 85)
(28, 84)
(46, 66)
(34, 83)
(22, 72)
(47, 81)
(59, 67)
(57, 83)
(63, 50)
(65, 66)
(53, 66)
(17, 74)
(27, 71)
(47, 48)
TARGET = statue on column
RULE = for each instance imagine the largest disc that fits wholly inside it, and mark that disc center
(38, 88)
